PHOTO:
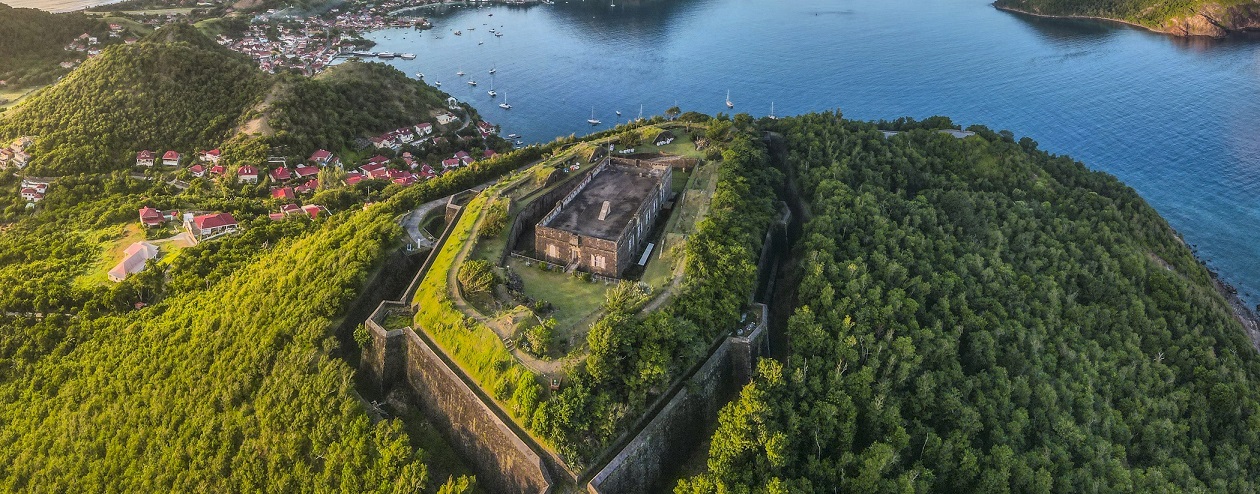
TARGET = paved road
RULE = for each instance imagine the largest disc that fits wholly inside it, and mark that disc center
(411, 222)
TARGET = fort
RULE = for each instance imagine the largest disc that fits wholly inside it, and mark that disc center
(602, 224)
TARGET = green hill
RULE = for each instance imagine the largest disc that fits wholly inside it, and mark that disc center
(976, 315)
(334, 108)
(1186, 17)
(175, 89)
(32, 43)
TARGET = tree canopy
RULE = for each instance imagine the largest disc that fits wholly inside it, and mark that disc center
(976, 315)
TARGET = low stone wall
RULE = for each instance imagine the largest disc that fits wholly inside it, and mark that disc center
(644, 463)
(401, 357)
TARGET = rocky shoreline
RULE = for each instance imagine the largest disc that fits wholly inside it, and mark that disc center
(1245, 315)
(1213, 21)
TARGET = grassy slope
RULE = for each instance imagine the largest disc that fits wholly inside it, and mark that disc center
(1154, 14)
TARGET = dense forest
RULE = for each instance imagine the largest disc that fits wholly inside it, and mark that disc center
(976, 315)
(1218, 16)
(175, 89)
(32, 43)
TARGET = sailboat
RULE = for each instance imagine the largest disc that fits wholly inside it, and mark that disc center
(728, 99)
(493, 69)
(640, 112)
(491, 91)
(592, 120)
(504, 105)
(461, 72)
(618, 113)
(772, 117)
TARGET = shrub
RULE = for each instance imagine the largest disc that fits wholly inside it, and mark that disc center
(476, 276)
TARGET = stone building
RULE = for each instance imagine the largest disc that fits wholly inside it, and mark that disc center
(602, 225)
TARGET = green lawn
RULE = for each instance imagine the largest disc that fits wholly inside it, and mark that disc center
(114, 240)
(572, 298)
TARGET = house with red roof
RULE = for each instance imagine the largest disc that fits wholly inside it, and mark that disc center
(170, 158)
(150, 217)
(31, 195)
(489, 153)
(306, 171)
(464, 157)
(450, 163)
(321, 156)
(211, 156)
(283, 193)
(281, 174)
(217, 171)
(145, 158)
(426, 172)
(197, 170)
(208, 226)
(247, 174)
(424, 129)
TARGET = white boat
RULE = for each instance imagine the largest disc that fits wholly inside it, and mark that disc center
(458, 33)
(592, 120)
(363, 53)
(461, 72)
(419, 75)
(504, 105)
(437, 83)
(511, 136)
(385, 54)
(494, 69)
(499, 34)
(728, 99)
(472, 83)
(408, 56)
(491, 91)
(479, 43)
(772, 117)
(640, 112)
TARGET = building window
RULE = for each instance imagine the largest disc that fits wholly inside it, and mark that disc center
(597, 261)
(552, 251)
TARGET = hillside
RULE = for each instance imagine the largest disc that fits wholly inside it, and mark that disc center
(1186, 18)
(332, 109)
(175, 89)
(976, 315)
(33, 41)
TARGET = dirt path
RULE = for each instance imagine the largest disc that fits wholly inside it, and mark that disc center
(548, 368)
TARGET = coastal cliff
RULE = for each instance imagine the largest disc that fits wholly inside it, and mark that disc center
(1214, 18)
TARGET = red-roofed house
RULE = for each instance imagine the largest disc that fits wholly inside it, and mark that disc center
(31, 195)
(211, 156)
(424, 129)
(217, 171)
(306, 171)
(145, 158)
(170, 158)
(464, 157)
(247, 174)
(281, 174)
(450, 163)
(489, 153)
(322, 156)
(208, 226)
(150, 217)
(314, 210)
(426, 172)
(283, 193)
(197, 170)
(379, 173)
(378, 160)
(353, 179)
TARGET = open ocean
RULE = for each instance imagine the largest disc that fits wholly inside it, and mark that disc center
(1176, 119)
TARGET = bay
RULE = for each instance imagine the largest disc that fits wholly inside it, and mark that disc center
(1177, 119)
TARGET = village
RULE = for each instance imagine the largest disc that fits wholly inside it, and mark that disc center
(289, 185)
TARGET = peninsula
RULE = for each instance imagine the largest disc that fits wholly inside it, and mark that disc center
(1214, 18)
